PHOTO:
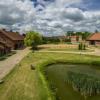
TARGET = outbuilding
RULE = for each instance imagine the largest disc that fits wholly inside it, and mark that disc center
(94, 39)
(10, 41)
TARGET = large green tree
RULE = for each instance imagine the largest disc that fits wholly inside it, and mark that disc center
(33, 39)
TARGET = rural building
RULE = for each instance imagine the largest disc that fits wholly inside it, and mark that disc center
(4, 47)
(94, 39)
(10, 41)
(74, 38)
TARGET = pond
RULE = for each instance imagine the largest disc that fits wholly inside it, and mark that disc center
(60, 77)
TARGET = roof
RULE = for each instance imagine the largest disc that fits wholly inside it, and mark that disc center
(94, 36)
(12, 35)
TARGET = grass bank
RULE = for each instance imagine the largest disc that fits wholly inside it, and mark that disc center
(26, 84)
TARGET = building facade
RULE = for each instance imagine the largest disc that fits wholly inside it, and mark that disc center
(94, 39)
(10, 41)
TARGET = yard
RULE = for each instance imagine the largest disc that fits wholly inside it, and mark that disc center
(64, 47)
(23, 83)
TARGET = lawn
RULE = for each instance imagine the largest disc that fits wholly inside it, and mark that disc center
(64, 47)
(70, 49)
(26, 84)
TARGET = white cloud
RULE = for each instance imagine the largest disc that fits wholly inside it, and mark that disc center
(54, 19)
(13, 12)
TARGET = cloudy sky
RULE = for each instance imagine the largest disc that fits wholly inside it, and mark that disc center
(50, 17)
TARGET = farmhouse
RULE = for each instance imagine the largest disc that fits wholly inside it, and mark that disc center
(94, 39)
(10, 41)
(75, 39)
(4, 46)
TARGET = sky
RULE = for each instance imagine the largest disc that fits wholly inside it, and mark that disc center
(50, 17)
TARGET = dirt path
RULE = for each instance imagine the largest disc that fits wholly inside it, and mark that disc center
(7, 65)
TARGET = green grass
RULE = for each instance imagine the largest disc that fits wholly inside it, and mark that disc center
(69, 49)
(23, 83)
(26, 84)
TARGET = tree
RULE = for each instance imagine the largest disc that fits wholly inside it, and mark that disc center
(70, 33)
(82, 46)
(33, 39)
(85, 35)
(96, 31)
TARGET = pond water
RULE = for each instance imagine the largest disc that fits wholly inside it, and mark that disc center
(57, 74)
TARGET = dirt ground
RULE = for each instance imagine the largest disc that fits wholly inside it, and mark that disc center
(7, 65)
(58, 46)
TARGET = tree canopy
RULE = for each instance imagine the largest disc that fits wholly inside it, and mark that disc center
(33, 39)
(83, 34)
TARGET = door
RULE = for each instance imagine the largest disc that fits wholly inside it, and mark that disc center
(92, 42)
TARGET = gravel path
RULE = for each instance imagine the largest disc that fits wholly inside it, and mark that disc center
(7, 65)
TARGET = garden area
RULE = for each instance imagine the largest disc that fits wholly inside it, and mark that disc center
(27, 83)
(64, 47)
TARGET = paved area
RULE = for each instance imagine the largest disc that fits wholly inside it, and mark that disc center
(7, 65)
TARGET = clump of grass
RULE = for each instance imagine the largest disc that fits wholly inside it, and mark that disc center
(96, 63)
(85, 84)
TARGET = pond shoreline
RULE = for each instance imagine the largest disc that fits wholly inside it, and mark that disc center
(54, 62)
(52, 86)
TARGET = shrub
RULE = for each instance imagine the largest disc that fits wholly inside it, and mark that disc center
(33, 39)
(87, 85)
(81, 46)
(96, 63)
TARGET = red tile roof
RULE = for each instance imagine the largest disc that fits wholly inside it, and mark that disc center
(12, 35)
(94, 36)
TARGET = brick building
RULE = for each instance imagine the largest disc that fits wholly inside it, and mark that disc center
(94, 39)
(10, 41)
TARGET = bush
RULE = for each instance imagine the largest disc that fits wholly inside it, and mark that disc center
(33, 39)
(82, 46)
(96, 63)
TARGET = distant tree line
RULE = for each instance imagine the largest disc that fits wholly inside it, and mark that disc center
(34, 39)
(83, 34)
(48, 40)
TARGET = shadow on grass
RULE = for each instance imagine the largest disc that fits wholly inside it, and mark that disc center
(7, 55)
(36, 49)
